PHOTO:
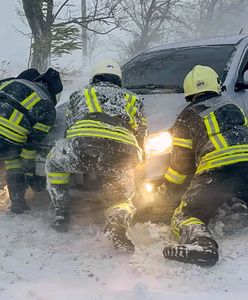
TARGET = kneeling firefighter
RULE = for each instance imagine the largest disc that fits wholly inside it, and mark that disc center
(27, 113)
(106, 129)
(210, 147)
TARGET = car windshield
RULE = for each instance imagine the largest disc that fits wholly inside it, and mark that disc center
(163, 71)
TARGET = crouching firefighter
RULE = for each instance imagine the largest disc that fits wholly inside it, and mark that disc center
(210, 147)
(106, 129)
(27, 113)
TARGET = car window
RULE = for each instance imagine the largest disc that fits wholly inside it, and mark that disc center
(244, 65)
(170, 66)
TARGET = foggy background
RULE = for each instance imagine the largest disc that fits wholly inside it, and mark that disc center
(187, 19)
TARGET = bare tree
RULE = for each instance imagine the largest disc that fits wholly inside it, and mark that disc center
(4, 69)
(41, 16)
(144, 22)
(54, 33)
(216, 17)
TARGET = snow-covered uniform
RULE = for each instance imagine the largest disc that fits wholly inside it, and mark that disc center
(106, 129)
(210, 147)
(27, 113)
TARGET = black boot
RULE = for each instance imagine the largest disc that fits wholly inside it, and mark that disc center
(19, 205)
(17, 186)
(117, 233)
(62, 220)
(18, 202)
(202, 252)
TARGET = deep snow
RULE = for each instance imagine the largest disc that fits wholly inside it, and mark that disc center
(39, 263)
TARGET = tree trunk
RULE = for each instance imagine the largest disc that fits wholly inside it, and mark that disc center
(39, 14)
(84, 34)
(41, 55)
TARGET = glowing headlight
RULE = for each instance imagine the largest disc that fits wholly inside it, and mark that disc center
(158, 143)
(149, 187)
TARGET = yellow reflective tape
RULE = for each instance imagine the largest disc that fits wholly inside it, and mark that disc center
(3, 85)
(10, 125)
(228, 151)
(42, 127)
(191, 221)
(246, 121)
(175, 217)
(100, 125)
(127, 96)
(88, 100)
(223, 161)
(245, 118)
(175, 177)
(13, 164)
(101, 133)
(213, 131)
(144, 121)
(88, 122)
(92, 101)
(30, 101)
(185, 143)
(16, 117)
(12, 135)
(176, 232)
(131, 109)
(96, 102)
(59, 178)
(28, 154)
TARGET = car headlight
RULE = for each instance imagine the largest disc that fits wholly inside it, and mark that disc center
(158, 143)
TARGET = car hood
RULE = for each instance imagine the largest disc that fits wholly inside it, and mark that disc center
(162, 110)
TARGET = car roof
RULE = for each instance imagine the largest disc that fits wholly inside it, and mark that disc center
(221, 40)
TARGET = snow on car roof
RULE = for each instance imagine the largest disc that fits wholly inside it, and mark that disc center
(221, 40)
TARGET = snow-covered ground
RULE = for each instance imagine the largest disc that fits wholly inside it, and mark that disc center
(38, 263)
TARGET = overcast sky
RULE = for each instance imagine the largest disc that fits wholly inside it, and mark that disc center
(14, 46)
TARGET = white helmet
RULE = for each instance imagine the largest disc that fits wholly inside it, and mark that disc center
(107, 66)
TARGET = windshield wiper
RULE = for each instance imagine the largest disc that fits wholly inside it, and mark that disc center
(155, 87)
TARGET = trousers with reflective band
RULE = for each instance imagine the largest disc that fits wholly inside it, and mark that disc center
(13, 164)
(174, 177)
(90, 128)
(219, 158)
(176, 223)
(58, 178)
(28, 154)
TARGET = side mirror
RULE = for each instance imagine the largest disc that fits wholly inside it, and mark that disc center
(242, 83)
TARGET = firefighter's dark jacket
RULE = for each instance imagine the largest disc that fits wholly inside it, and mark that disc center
(105, 110)
(209, 134)
(27, 112)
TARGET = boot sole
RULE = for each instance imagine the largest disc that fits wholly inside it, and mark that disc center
(197, 255)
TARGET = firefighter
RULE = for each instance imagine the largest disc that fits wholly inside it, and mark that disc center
(210, 149)
(106, 129)
(27, 113)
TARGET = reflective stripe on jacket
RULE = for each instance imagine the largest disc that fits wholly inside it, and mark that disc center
(21, 116)
(99, 129)
(210, 133)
